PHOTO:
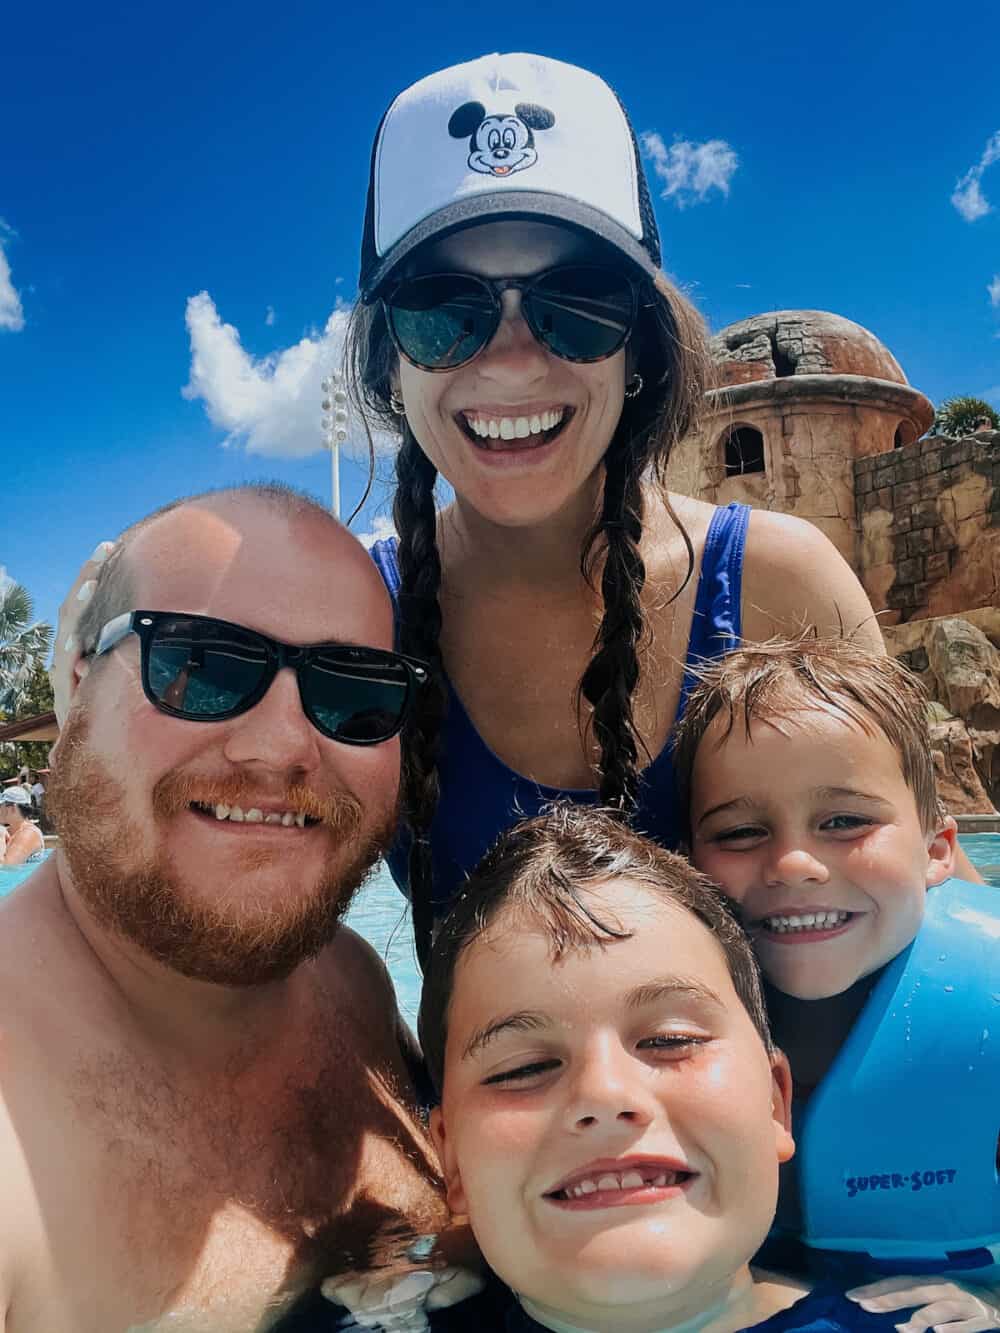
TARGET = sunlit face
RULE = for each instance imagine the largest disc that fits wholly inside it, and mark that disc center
(809, 825)
(521, 481)
(611, 1121)
(135, 790)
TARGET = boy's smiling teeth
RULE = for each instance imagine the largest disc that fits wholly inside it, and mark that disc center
(632, 1179)
(822, 920)
(514, 427)
(235, 814)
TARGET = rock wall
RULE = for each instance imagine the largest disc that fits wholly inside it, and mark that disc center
(929, 516)
(959, 663)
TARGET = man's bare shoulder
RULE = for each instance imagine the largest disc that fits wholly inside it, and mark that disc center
(360, 976)
(40, 949)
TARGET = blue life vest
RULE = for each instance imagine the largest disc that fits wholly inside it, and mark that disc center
(897, 1147)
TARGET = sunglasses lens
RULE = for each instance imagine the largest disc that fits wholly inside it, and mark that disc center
(355, 695)
(442, 320)
(581, 314)
(204, 668)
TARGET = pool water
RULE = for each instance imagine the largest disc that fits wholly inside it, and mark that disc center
(382, 916)
(983, 850)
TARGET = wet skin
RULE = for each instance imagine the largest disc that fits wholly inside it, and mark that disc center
(177, 1152)
(810, 817)
(634, 1065)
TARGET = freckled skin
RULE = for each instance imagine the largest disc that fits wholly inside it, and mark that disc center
(177, 1153)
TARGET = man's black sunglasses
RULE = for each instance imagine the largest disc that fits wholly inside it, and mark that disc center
(207, 670)
(440, 321)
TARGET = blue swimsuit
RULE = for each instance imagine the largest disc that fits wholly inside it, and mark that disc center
(481, 796)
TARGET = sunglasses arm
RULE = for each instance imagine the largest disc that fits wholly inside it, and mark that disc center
(113, 633)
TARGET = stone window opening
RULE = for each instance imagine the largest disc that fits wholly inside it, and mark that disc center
(905, 434)
(783, 363)
(743, 450)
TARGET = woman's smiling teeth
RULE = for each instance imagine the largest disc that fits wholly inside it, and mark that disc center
(491, 428)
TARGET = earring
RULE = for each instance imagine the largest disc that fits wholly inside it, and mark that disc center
(634, 387)
(396, 403)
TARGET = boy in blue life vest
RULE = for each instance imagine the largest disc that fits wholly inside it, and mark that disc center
(805, 767)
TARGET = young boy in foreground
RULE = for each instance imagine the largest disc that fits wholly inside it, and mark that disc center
(806, 770)
(613, 1110)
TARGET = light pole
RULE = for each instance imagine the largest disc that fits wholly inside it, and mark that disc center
(334, 422)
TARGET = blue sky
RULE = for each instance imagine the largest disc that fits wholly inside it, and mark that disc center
(838, 158)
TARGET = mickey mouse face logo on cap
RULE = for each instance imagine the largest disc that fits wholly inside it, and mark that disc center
(500, 144)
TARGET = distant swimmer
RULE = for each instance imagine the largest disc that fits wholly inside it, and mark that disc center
(24, 841)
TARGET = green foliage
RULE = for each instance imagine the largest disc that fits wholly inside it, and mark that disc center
(24, 644)
(957, 417)
(36, 698)
(24, 684)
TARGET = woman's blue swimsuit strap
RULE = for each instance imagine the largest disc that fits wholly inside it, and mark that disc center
(481, 796)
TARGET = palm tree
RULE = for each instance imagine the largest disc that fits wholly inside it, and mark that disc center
(23, 644)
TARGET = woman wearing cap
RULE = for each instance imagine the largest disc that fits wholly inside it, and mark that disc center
(516, 331)
(24, 841)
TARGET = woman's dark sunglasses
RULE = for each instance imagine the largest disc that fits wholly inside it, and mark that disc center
(207, 670)
(440, 321)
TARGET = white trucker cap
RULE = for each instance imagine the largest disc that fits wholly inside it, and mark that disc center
(506, 136)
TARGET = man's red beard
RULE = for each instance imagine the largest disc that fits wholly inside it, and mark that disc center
(234, 942)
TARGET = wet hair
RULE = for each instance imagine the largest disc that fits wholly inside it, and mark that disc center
(773, 681)
(115, 590)
(669, 350)
(539, 874)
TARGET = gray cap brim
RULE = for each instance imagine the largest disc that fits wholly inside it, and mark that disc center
(510, 205)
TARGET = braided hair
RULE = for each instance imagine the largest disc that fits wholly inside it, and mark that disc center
(669, 352)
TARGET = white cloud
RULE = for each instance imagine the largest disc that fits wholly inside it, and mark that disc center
(994, 290)
(11, 310)
(270, 404)
(968, 196)
(382, 527)
(5, 579)
(269, 317)
(689, 171)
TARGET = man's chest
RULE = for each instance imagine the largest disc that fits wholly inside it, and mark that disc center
(159, 1208)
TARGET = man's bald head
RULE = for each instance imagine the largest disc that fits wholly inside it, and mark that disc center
(128, 577)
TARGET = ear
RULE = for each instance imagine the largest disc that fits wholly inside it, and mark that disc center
(781, 1106)
(941, 851)
(466, 120)
(454, 1193)
(534, 116)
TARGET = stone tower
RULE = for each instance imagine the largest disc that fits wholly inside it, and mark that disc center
(801, 396)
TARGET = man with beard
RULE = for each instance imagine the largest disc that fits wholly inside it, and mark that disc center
(205, 1098)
